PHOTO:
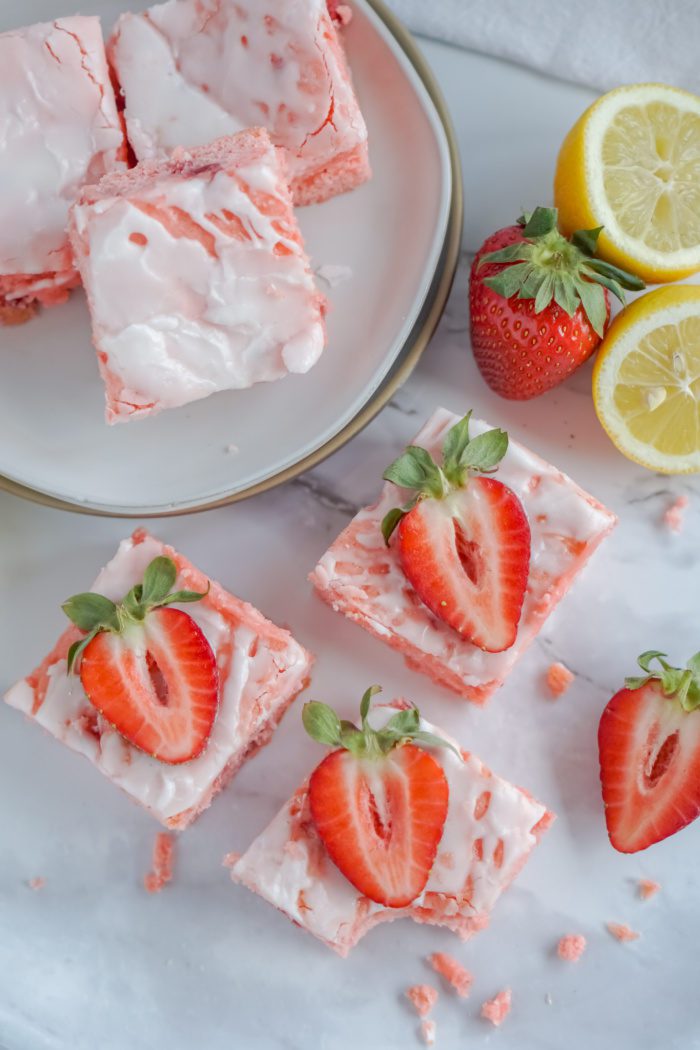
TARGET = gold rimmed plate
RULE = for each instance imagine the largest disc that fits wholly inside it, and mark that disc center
(394, 242)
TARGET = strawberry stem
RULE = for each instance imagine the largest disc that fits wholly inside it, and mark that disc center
(678, 683)
(462, 456)
(93, 613)
(547, 267)
(323, 725)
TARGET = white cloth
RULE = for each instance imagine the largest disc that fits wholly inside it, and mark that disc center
(602, 43)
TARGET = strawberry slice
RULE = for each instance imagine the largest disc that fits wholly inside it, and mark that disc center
(148, 669)
(649, 744)
(463, 542)
(379, 802)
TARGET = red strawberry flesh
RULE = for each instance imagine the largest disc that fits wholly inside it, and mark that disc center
(381, 819)
(468, 557)
(156, 682)
(650, 766)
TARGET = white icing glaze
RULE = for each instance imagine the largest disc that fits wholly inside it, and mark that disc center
(279, 865)
(169, 790)
(192, 70)
(58, 128)
(560, 513)
(196, 309)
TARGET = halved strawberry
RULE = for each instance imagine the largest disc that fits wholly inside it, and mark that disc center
(649, 743)
(148, 669)
(463, 542)
(379, 803)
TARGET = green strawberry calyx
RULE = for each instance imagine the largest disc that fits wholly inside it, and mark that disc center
(325, 727)
(415, 469)
(547, 267)
(678, 683)
(93, 613)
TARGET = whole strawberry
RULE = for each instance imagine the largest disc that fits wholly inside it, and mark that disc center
(539, 304)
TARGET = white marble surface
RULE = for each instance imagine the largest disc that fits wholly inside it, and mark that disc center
(91, 961)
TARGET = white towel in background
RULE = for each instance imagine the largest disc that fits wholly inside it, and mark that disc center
(602, 43)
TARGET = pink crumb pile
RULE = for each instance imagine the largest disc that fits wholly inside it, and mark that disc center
(163, 858)
(427, 1031)
(559, 678)
(673, 515)
(453, 972)
(647, 888)
(37, 883)
(621, 932)
(497, 1009)
(423, 998)
(571, 947)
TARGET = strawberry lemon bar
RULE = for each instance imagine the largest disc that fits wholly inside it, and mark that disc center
(59, 128)
(454, 568)
(396, 822)
(196, 276)
(167, 703)
(194, 70)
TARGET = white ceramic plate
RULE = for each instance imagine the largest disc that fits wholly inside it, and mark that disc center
(398, 237)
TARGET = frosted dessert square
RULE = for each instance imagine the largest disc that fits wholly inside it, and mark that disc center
(193, 70)
(361, 577)
(261, 669)
(490, 829)
(196, 276)
(59, 128)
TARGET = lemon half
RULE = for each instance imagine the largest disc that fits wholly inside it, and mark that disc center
(646, 380)
(631, 164)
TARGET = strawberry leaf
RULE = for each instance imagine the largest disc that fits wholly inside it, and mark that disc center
(366, 701)
(681, 684)
(88, 611)
(433, 740)
(593, 302)
(544, 293)
(158, 580)
(416, 469)
(321, 723)
(485, 451)
(456, 440)
(77, 648)
(508, 281)
(629, 281)
(390, 521)
(540, 222)
(511, 253)
(184, 597)
(587, 240)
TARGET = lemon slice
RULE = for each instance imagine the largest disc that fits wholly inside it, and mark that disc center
(631, 164)
(646, 380)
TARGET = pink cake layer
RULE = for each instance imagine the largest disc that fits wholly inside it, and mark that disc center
(194, 70)
(261, 670)
(362, 578)
(196, 276)
(491, 828)
(59, 128)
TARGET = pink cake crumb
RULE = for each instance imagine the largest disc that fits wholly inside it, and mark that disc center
(622, 932)
(427, 1031)
(37, 883)
(571, 947)
(163, 850)
(497, 1009)
(647, 888)
(454, 973)
(423, 998)
(559, 678)
(673, 515)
